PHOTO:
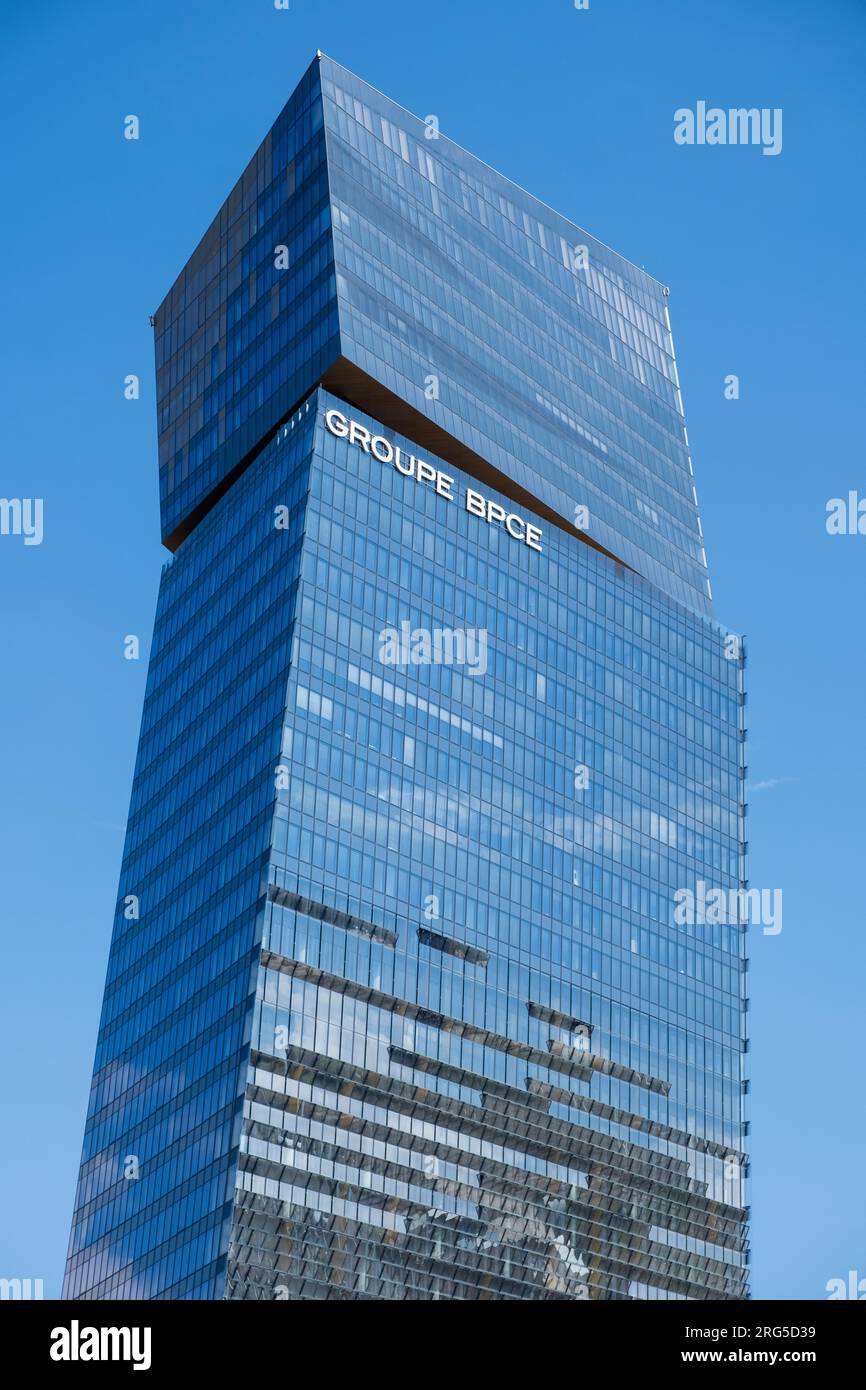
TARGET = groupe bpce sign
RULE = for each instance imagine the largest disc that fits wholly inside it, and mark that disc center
(475, 502)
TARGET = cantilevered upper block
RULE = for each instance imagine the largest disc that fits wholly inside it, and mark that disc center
(362, 248)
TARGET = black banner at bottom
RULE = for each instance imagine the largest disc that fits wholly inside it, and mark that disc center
(158, 1338)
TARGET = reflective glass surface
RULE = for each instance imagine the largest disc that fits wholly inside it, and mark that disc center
(550, 356)
(354, 237)
(397, 1002)
(160, 1147)
(251, 322)
(485, 1061)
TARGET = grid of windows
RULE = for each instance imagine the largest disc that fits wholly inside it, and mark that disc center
(397, 1003)
(160, 1147)
(251, 322)
(445, 908)
(522, 336)
(352, 236)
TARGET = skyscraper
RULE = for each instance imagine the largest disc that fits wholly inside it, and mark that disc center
(438, 722)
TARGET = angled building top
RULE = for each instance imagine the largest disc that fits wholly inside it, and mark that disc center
(364, 249)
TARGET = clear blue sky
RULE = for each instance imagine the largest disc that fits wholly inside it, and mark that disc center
(764, 256)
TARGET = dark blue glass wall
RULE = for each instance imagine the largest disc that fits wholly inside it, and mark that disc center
(157, 1174)
(251, 322)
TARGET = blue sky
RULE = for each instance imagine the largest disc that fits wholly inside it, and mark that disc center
(765, 263)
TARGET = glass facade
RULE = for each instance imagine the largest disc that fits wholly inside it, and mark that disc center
(398, 1004)
(517, 333)
(251, 322)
